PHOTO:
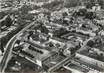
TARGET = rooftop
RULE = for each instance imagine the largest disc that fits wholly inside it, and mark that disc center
(93, 53)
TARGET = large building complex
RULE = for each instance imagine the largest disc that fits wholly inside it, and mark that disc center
(46, 36)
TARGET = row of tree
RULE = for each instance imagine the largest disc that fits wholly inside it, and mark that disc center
(68, 3)
(88, 3)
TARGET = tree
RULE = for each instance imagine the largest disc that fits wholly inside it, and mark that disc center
(2, 42)
(8, 21)
(25, 8)
(101, 2)
(71, 3)
(60, 32)
(90, 15)
(90, 43)
(44, 29)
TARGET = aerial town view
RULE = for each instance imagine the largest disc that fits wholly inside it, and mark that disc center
(51, 36)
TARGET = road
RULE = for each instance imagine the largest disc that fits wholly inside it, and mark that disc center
(9, 47)
(10, 9)
(60, 64)
(84, 44)
(66, 60)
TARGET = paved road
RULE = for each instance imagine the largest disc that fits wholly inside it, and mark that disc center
(60, 64)
(84, 44)
(66, 60)
(10, 8)
(9, 46)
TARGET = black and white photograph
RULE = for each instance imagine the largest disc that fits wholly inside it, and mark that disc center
(51, 36)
